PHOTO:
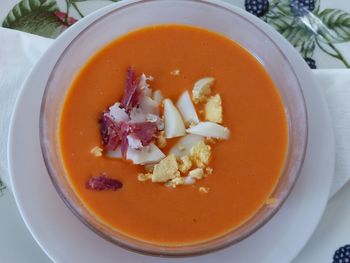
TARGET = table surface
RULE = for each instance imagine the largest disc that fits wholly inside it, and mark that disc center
(16, 243)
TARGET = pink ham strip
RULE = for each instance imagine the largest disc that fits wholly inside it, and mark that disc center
(146, 132)
(102, 182)
(132, 93)
(123, 133)
(109, 132)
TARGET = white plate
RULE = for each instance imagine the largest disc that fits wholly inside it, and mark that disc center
(61, 235)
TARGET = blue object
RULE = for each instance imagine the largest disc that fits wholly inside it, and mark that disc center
(342, 255)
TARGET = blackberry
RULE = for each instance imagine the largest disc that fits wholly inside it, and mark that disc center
(312, 64)
(257, 7)
(342, 255)
(301, 7)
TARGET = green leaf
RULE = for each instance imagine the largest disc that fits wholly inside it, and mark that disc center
(292, 29)
(36, 17)
(337, 23)
(307, 48)
(317, 6)
(280, 22)
(297, 35)
(295, 32)
(283, 6)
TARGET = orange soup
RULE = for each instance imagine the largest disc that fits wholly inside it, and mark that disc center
(246, 167)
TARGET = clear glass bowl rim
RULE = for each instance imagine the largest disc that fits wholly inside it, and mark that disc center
(158, 250)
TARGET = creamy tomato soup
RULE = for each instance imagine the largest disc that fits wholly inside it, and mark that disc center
(244, 168)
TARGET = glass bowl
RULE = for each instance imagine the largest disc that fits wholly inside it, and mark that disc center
(212, 15)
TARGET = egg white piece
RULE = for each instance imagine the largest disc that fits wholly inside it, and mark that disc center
(210, 129)
(149, 106)
(174, 125)
(202, 88)
(184, 145)
(147, 155)
(186, 108)
(158, 96)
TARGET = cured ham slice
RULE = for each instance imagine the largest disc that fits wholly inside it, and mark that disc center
(102, 182)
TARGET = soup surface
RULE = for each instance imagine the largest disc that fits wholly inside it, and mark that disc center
(245, 168)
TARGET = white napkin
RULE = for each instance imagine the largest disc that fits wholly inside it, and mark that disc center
(19, 51)
(335, 83)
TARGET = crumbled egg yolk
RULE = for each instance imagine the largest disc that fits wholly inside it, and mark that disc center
(166, 169)
(175, 72)
(197, 173)
(96, 151)
(213, 109)
(185, 164)
(144, 177)
(208, 170)
(200, 154)
(203, 190)
(161, 140)
(175, 182)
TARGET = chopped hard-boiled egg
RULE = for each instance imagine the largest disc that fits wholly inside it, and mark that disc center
(147, 155)
(189, 180)
(200, 154)
(166, 169)
(203, 190)
(197, 173)
(175, 182)
(161, 140)
(174, 126)
(158, 96)
(150, 154)
(149, 106)
(213, 109)
(175, 72)
(134, 143)
(183, 146)
(208, 170)
(117, 113)
(96, 151)
(201, 89)
(185, 164)
(187, 110)
(210, 129)
(144, 177)
(144, 86)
